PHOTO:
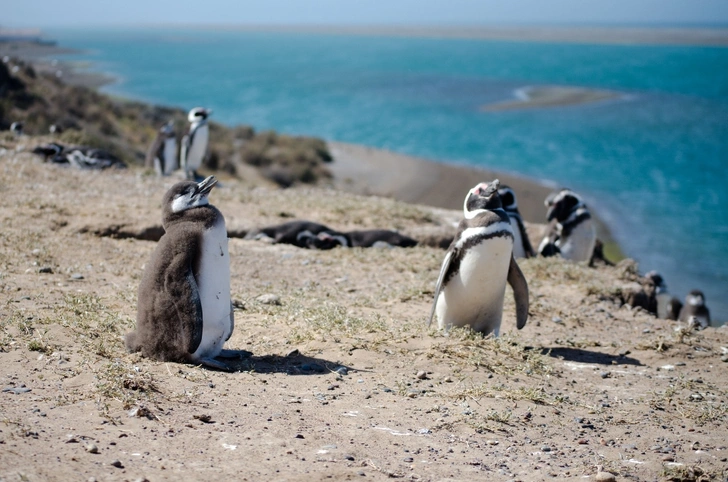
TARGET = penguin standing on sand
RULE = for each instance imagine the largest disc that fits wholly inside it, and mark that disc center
(571, 232)
(184, 311)
(695, 307)
(194, 144)
(472, 281)
(521, 244)
(163, 152)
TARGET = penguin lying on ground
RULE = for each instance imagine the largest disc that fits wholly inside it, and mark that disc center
(80, 157)
(695, 306)
(298, 233)
(479, 262)
(521, 244)
(572, 235)
(184, 312)
(360, 239)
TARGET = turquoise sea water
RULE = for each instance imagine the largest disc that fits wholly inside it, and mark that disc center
(654, 163)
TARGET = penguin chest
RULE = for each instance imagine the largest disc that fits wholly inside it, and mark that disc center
(579, 245)
(170, 156)
(213, 282)
(198, 148)
(474, 295)
(518, 251)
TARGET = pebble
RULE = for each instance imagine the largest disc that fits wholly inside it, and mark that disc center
(269, 299)
(556, 319)
(583, 441)
(605, 374)
(421, 375)
(349, 457)
(605, 477)
(92, 448)
(117, 463)
(545, 448)
(408, 459)
(17, 390)
(46, 269)
(77, 276)
(448, 380)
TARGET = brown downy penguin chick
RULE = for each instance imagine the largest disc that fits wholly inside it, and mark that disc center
(184, 312)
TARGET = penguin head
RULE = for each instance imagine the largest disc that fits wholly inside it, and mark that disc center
(198, 114)
(656, 279)
(184, 196)
(561, 204)
(483, 196)
(695, 298)
(167, 129)
(508, 198)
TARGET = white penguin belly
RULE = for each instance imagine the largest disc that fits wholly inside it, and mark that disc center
(518, 251)
(170, 156)
(197, 150)
(579, 246)
(474, 295)
(213, 283)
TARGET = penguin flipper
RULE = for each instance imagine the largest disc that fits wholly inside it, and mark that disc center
(183, 148)
(520, 292)
(443, 271)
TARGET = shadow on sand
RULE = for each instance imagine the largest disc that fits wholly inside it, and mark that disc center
(587, 356)
(291, 364)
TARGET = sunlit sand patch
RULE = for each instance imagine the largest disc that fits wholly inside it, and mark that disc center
(551, 96)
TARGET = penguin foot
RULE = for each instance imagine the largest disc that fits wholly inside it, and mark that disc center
(212, 363)
(234, 354)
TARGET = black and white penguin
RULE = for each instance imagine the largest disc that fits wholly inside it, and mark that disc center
(163, 152)
(662, 297)
(479, 262)
(367, 238)
(184, 312)
(571, 230)
(695, 306)
(298, 233)
(17, 128)
(674, 305)
(521, 244)
(194, 144)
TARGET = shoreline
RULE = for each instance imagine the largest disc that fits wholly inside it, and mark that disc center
(372, 171)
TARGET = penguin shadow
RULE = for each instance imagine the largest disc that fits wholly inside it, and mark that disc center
(292, 364)
(580, 355)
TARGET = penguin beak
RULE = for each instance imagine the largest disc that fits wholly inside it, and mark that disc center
(204, 187)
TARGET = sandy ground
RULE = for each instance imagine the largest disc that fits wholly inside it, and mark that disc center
(345, 380)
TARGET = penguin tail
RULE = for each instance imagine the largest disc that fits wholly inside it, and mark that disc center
(131, 340)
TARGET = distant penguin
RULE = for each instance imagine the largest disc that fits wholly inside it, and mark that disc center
(662, 297)
(298, 233)
(163, 152)
(674, 305)
(472, 281)
(17, 128)
(194, 144)
(367, 238)
(521, 244)
(55, 129)
(573, 232)
(184, 311)
(695, 306)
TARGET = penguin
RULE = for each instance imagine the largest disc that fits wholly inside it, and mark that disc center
(194, 144)
(55, 129)
(360, 239)
(298, 233)
(163, 151)
(695, 306)
(90, 158)
(662, 297)
(472, 281)
(573, 231)
(672, 312)
(184, 312)
(521, 244)
(17, 128)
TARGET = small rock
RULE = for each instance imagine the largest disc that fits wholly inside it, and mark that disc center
(46, 269)
(545, 448)
(421, 375)
(117, 463)
(204, 418)
(408, 459)
(269, 299)
(91, 448)
(349, 457)
(556, 319)
(17, 390)
(76, 276)
(605, 477)
(668, 458)
(583, 441)
(448, 380)
(298, 435)
(605, 374)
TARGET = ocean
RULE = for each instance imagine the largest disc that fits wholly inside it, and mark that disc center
(653, 161)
